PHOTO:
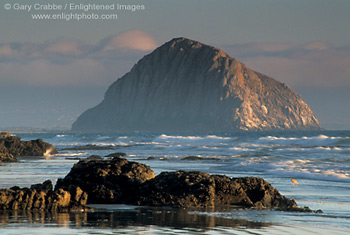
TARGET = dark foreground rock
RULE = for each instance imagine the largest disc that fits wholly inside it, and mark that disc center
(41, 197)
(107, 181)
(121, 181)
(17, 148)
(99, 181)
(198, 189)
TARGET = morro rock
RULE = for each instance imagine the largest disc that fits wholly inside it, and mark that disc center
(186, 85)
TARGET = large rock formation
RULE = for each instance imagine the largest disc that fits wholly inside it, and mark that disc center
(186, 85)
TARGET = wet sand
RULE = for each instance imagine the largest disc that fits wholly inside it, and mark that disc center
(124, 219)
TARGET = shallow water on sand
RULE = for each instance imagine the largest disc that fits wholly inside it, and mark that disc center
(318, 160)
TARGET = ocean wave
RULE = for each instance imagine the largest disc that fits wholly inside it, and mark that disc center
(313, 140)
(317, 149)
(316, 169)
(60, 136)
(208, 140)
(314, 174)
(343, 141)
(71, 154)
(165, 137)
(313, 169)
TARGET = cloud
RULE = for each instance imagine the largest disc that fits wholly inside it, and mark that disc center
(320, 46)
(313, 64)
(73, 63)
(6, 51)
(69, 48)
(135, 39)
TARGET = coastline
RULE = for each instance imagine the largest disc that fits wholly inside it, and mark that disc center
(256, 154)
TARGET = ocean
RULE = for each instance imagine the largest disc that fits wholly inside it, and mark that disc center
(318, 160)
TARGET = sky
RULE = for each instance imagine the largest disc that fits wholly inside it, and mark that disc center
(51, 70)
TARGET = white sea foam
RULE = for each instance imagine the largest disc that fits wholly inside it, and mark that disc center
(314, 140)
(314, 169)
(241, 149)
(71, 154)
(209, 138)
(60, 136)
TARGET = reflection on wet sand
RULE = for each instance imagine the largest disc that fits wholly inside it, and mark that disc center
(124, 218)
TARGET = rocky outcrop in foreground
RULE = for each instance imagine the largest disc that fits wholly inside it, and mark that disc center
(41, 197)
(185, 85)
(14, 146)
(198, 189)
(118, 180)
(108, 181)
(121, 181)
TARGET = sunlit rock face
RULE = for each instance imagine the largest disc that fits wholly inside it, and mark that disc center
(185, 85)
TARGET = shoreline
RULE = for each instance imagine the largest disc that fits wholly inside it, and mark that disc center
(255, 154)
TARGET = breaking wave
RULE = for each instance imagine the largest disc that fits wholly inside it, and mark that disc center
(314, 140)
(165, 137)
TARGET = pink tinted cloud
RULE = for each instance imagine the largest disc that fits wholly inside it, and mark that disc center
(134, 39)
(69, 48)
(74, 63)
(7, 51)
(65, 62)
(274, 47)
(320, 46)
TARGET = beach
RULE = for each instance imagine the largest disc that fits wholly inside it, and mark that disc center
(318, 160)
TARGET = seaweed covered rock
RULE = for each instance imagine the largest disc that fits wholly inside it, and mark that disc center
(16, 147)
(198, 189)
(43, 198)
(107, 181)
